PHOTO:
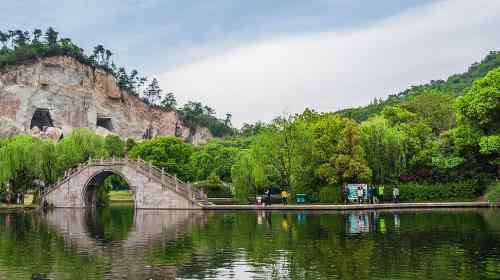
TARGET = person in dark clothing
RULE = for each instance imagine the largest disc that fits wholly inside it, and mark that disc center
(268, 197)
(346, 195)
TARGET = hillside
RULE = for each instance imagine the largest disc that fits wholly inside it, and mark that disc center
(456, 85)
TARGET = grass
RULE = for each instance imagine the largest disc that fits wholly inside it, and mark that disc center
(121, 196)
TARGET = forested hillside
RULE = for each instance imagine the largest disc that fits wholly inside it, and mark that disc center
(455, 85)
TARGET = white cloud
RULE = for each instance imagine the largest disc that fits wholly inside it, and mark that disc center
(333, 70)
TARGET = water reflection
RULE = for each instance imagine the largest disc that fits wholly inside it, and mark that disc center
(119, 243)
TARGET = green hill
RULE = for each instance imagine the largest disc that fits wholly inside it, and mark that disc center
(456, 84)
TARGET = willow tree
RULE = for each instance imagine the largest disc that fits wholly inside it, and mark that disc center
(385, 149)
(23, 161)
(79, 146)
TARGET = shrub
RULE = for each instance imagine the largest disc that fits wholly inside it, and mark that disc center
(214, 187)
(493, 194)
(468, 189)
(330, 194)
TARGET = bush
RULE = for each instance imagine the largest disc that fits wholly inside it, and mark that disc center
(493, 194)
(330, 194)
(214, 187)
(464, 190)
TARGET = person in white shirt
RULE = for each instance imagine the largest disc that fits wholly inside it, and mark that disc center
(360, 195)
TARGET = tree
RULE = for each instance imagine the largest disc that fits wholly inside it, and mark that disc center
(152, 92)
(385, 149)
(114, 145)
(478, 113)
(349, 164)
(169, 153)
(51, 37)
(4, 38)
(434, 108)
(37, 34)
(169, 102)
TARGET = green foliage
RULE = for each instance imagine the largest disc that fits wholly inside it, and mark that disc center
(214, 159)
(493, 194)
(433, 108)
(213, 186)
(152, 93)
(242, 175)
(385, 149)
(169, 102)
(24, 159)
(79, 146)
(130, 144)
(114, 145)
(461, 190)
(195, 114)
(481, 104)
(456, 84)
(330, 194)
(169, 153)
(478, 131)
(490, 144)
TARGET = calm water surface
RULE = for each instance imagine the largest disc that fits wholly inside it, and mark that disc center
(120, 243)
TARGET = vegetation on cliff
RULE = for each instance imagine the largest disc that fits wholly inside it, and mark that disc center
(19, 46)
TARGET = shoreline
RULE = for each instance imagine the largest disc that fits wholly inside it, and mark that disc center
(341, 207)
(299, 207)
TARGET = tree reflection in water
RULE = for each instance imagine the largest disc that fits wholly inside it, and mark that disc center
(126, 244)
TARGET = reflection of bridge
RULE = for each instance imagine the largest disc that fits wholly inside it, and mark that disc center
(130, 256)
(152, 188)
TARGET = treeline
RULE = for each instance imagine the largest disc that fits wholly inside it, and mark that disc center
(448, 147)
(455, 85)
(19, 46)
(433, 146)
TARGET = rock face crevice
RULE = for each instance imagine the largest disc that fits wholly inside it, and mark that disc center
(77, 95)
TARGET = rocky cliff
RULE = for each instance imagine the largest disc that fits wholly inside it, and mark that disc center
(60, 92)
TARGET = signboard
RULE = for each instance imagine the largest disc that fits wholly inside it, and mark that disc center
(352, 192)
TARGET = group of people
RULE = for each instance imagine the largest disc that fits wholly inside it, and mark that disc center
(268, 198)
(372, 195)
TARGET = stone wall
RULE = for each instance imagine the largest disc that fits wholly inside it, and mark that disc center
(77, 95)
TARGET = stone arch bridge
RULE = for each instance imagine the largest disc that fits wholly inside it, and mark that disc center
(152, 188)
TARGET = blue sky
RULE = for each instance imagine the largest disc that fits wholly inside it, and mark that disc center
(261, 59)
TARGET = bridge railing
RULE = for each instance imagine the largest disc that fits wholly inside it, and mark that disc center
(147, 168)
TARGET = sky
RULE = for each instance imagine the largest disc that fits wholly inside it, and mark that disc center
(261, 59)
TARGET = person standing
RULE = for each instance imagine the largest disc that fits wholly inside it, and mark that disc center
(395, 195)
(268, 196)
(369, 192)
(284, 197)
(360, 195)
(381, 194)
(346, 194)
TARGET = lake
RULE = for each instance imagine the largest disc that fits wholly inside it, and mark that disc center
(120, 243)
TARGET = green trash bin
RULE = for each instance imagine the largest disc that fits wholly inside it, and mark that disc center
(301, 198)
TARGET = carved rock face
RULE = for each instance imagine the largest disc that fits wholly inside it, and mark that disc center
(8, 127)
(75, 95)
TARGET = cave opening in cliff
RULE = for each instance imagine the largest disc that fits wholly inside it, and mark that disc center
(41, 119)
(105, 122)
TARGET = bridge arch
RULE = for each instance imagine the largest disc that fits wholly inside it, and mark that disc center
(96, 180)
(152, 187)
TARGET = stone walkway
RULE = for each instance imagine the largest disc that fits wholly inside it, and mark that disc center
(351, 206)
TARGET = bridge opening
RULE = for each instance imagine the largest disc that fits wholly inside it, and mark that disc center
(108, 188)
(41, 119)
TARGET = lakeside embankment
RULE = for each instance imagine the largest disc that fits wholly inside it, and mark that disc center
(340, 207)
